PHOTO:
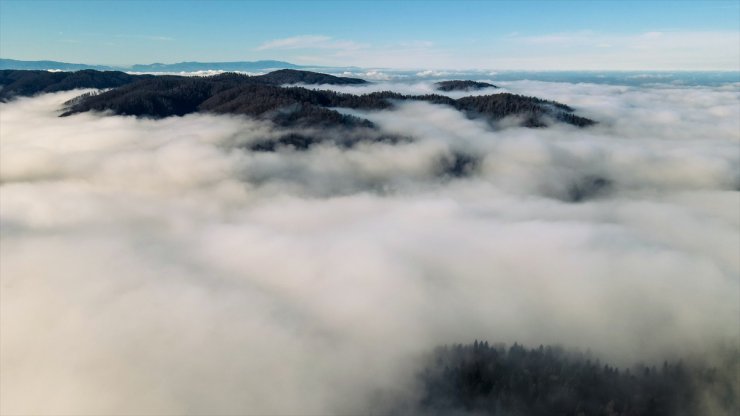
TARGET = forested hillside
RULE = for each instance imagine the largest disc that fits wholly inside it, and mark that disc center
(483, 379)
(25, 83)
(262, 97)
(458, 85)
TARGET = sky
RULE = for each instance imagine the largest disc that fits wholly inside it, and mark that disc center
(535, 35)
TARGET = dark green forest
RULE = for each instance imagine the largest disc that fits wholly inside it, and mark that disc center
(483, 379)
(166, 96)
(23, 83)
(460, 85)
(262, 97)
(266, 97)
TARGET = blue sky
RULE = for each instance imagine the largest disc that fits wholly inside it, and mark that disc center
(576, 34)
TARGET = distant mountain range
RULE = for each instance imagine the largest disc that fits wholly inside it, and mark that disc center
(49, 65)
(217, 66)
(247, 66)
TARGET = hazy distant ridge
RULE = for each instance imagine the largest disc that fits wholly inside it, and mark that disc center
(155, 67)
(50, 65)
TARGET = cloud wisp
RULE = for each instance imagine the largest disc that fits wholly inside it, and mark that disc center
(656, 50)
(579, 50)
(309, 42)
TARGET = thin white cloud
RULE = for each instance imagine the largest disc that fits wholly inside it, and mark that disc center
(309, 42)
(574, 38)
(660, 50)
(147, 37)
(580, 50)
(98, 35)
(417, 44)
(328, 51)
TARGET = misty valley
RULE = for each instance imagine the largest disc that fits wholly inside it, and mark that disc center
(297, 242)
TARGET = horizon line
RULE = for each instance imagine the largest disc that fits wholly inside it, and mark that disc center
(124, 66)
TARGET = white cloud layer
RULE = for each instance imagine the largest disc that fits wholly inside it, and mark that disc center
(156, 267)
(582, 50)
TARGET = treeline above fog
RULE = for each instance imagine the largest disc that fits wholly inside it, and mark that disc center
(263, 97)
(295, 106)
(458, 85)
(494, 380)
(21, 83)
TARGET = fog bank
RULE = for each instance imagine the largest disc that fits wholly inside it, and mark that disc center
(158, 267)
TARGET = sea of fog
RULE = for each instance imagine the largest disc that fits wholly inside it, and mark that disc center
(629, 78)
(625, 78)
(158, 267)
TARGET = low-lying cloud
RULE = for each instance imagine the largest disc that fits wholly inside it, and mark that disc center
(158, 267)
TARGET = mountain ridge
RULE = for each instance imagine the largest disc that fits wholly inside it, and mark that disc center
(30, 82)
(185, 66)
(264, 96)
(270, 97)
(460, 85)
